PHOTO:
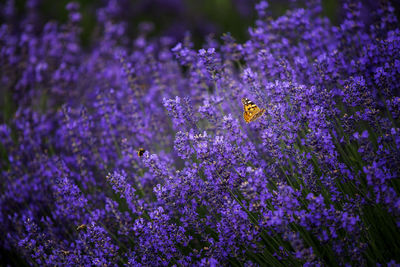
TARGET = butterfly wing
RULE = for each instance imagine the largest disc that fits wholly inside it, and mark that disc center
(246, 117)
(258, 114)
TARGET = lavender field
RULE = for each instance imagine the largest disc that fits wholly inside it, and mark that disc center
(141, 152)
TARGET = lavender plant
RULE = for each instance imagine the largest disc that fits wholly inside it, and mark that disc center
(313, 181)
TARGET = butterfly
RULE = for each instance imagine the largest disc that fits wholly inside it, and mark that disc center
(140, 152)
(251, 111)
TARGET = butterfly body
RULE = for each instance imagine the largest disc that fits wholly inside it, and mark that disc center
(251, 110)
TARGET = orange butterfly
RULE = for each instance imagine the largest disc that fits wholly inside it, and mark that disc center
(251, 111)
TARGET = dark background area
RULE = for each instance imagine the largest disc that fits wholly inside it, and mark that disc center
(174, 17)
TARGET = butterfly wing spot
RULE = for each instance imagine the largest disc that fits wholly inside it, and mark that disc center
(245, 101)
